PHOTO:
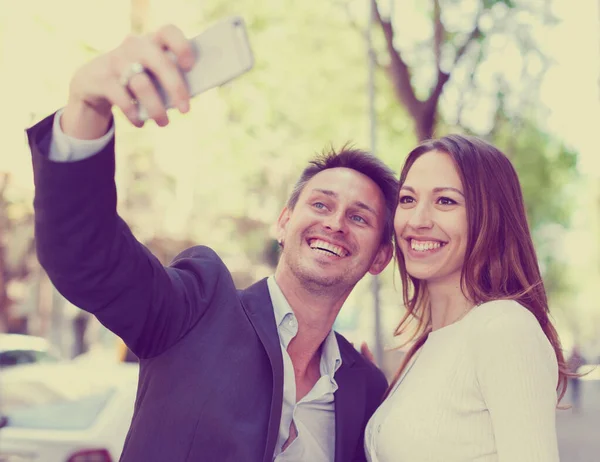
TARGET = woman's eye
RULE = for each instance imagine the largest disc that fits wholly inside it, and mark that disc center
(406, 200)
(446, 201)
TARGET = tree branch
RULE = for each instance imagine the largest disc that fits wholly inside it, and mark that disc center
(361, 30)
(398, 69)
(443, 77)
(344, 5)
(439, 33)
(474, 35)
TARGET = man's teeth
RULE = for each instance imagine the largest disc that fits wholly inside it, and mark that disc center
(317, 244)
(422, 246)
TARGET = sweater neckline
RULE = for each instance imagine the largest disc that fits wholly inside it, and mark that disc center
(452, 326)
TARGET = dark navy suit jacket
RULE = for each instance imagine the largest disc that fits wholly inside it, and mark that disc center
(211, 370)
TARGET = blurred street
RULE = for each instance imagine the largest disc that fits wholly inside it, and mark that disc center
(579, 432)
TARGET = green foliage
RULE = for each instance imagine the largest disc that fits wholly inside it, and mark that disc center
(488, 4)
(546, 168)
(547, 171)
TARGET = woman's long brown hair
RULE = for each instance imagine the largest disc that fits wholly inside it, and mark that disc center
(500, 260)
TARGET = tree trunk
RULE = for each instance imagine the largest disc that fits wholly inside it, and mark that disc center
(422, 112)
(140, 14)
(80, 323)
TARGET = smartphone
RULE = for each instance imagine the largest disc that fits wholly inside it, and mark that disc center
(222, 53)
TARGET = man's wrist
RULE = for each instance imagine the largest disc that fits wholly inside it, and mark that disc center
(84, 122)
(64, 148)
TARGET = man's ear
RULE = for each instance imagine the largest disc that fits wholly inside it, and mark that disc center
(282, 221)
(383, 257)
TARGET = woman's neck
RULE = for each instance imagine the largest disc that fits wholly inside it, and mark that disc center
(448, 303)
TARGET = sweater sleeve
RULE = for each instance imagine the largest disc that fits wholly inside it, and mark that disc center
(517, 373)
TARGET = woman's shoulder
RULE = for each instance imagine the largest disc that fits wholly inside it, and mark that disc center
(509, 327)
(509, 346)
(504, 322)
(504, 313)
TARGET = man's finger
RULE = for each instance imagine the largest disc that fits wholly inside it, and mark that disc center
(145, 92)
(165, 73)
(366, 352)
(172, 38)
(121, 98)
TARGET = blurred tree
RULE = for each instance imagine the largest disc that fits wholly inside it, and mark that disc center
(547, 170)
(16, 249)
(457, 54)
(457, 41)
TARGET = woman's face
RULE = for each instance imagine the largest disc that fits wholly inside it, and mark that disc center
(431, 219)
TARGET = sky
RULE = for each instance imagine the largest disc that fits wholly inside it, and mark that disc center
(571, 89)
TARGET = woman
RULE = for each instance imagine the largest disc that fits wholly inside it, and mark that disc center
(480, 382)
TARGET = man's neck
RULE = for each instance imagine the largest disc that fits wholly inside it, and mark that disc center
(315, 313)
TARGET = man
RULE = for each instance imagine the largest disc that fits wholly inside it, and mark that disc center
(225, 375)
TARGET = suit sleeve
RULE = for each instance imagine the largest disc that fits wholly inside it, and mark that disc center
(94, 260)
(376, 389)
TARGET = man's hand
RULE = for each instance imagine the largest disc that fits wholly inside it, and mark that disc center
(112, 79)
(366, 352)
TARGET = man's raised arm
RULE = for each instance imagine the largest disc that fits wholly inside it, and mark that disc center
(87, 250)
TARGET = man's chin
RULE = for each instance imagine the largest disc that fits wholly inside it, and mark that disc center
(319, 278)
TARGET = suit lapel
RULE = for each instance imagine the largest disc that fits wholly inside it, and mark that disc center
(257, 304)
(349, 408)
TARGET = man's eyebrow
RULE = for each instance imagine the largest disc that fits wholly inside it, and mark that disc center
(436, 190)
(327, 192)
(359, 204)
(364, 206)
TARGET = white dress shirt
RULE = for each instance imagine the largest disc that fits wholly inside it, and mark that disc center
(314, 414)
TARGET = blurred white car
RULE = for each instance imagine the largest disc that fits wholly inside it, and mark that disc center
(76, 411)
(16, 349)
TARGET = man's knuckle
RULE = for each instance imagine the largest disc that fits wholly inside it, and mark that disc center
(130, 41)
(169, 29)
(141, 84)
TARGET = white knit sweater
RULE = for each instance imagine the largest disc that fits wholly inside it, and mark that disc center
(482, 389)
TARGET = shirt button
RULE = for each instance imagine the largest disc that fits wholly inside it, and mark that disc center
(293, 322)
(378, 428)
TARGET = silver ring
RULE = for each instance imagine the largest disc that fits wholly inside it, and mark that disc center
(133, 69)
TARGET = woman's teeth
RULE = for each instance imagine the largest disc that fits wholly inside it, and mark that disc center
(422, 246)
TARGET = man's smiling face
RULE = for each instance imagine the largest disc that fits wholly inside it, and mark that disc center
(333, 235)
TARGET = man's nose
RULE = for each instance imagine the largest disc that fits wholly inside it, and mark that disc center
(335, 222)
(421, 217)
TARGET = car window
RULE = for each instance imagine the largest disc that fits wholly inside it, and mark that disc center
(17, 357)
(61, 414)
(54, 400)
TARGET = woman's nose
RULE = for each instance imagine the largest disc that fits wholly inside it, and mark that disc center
(420, 217)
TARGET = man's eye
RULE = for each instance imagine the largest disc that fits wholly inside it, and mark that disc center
(446, 201)
(319, 205)
(359, 219)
